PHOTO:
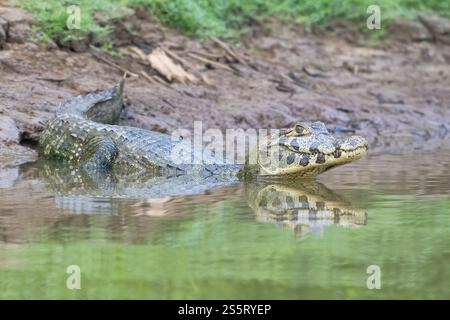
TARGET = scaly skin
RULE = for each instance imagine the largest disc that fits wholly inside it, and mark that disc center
(83, 134)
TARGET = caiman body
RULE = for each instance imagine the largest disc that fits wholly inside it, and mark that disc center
(84, 134)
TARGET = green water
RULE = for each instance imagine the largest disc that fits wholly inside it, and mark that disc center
(222, 245)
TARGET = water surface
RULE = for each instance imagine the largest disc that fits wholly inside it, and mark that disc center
(276, 241)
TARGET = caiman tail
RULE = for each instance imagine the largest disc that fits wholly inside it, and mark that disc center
(83, 133)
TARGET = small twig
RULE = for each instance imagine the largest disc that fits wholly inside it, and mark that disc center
(154, 79)
(168, 102)
(160, 80)
(112, 64)
(227, 49)
(58, 80)
(210, 62)
(148, 77)
(207, 54)
(170, 44)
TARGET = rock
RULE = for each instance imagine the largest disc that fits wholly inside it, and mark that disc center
(439, 27)
(30, 46)
(77, 44)
(388, 97)
(17, 22)
(9, 133)
(48, 45)
(18, 32)
(432, 54)
(8, 177)
(14, 15)
(407, 30)
(313, 71)
(14, 155)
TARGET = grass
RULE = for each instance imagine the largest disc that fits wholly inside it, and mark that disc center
(221, 18)
(52, 17)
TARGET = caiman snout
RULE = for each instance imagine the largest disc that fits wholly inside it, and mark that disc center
(352, 148)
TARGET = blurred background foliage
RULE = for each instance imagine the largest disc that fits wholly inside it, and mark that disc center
(220, 18)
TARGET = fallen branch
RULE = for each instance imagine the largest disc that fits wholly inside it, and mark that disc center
(211, 62)
(160, 80)
(227, 49)
(148, 77)
(166, 67)
(176, 57)
(207, 54)
(112, 64)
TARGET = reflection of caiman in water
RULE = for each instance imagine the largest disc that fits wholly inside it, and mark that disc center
(303, 206)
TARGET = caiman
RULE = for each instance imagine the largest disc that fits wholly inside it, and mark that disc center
(84, 134)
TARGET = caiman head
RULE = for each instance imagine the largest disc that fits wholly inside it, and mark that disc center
(306, 150)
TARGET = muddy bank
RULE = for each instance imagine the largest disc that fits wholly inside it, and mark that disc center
(396, 93)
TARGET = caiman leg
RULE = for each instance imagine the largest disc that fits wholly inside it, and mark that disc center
(99, 153)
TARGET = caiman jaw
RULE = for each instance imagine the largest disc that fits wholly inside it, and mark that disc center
(352, 148)
(307, 150)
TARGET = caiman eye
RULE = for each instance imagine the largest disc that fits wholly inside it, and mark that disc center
(300, 130)
(297, 130)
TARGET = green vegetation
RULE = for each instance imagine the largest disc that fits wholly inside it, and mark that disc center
(220, 252)
(52, 15)
(223, 18)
